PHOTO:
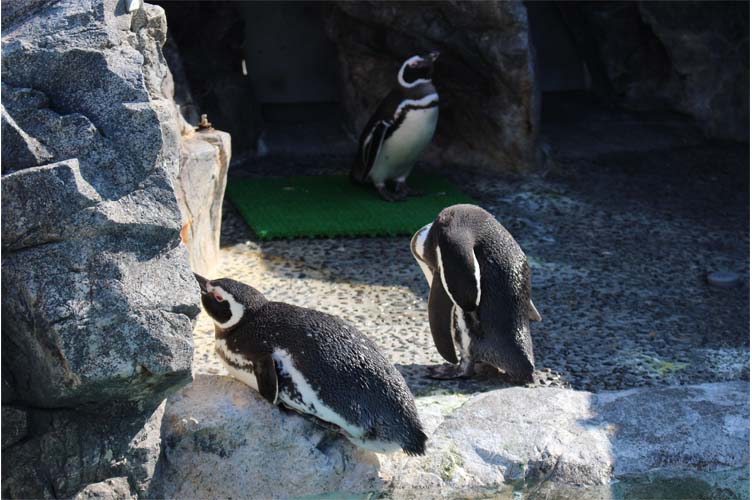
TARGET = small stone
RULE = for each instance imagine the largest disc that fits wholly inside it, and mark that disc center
(723, 279)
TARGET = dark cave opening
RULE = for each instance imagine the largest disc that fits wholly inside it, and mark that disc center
(299, 78)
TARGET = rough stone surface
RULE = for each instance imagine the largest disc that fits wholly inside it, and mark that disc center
(110, 489)
(68, 450)
(200, 189)
(689, 56)
(222, 440)
(15, 425)
(91, 242)
(489, 111)
(98, 299)
(516, 438)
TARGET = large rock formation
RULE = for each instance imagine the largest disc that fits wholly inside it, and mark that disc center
(692, 57)
(489, 112)
(572, 444)
(98, 300)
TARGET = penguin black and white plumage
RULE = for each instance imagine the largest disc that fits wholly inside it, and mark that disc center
(400, 129)
(479, 303)
(313, 363)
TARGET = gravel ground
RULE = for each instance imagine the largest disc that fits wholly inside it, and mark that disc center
(619, 246)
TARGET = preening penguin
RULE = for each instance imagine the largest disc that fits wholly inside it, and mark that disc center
(399, 130)
(313, 363)
(479, 302)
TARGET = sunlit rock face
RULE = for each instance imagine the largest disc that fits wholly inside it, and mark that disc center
(98, 299)
(509, 442)
(484, 76)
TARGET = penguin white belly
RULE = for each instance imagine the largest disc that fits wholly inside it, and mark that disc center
(309, 401)
(237, 366)
(401, 150)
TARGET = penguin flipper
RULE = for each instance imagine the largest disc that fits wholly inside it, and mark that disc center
(440, 319)
(372, 145)
(266, 377)
(459, 269)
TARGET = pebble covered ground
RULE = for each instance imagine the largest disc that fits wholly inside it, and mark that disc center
(620, 248)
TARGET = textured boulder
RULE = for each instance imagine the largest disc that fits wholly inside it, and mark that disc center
(708, 45)
(574, 444)
(98, 299)
(489, 112)
(689, 56)
(111, 489)
(200, 189)
(69, 450)
(222, 440)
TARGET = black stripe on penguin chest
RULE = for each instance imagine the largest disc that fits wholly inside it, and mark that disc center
(403, 114)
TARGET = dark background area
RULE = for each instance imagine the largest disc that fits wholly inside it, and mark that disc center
(512, 76)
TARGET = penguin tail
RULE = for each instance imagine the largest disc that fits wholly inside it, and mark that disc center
(416, 443)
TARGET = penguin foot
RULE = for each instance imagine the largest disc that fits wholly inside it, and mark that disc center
(448, 372)
(402, 189)
(387, 195)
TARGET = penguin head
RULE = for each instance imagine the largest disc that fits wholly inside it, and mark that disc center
(417, 70)
(227, 300)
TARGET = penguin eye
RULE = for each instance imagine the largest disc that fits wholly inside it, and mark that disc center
(219, 297)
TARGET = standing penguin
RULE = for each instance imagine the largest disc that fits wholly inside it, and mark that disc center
(480, 293)
(313, 363)
(399, 130)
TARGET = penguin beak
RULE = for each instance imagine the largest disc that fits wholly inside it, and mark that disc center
(202, 282)
(434, 55)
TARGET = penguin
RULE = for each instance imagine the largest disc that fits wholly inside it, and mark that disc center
(399, 130)
(313, 363)
(480, 300)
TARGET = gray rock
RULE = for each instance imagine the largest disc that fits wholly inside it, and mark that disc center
(708, 46)
(44, 200)
(24, 150)
(573, 444)
(14, 425)
(116, 488)
(222, 440)
(489, 113)
(71, 449)
(98, 299)
(687, 56)
(200, 189)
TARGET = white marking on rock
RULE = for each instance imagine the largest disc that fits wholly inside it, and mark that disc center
(311, 403)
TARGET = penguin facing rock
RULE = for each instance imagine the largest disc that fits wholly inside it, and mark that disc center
(479, 303)
(313, 363)
(399, 130)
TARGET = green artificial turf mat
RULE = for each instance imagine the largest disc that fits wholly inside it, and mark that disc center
(330, 206)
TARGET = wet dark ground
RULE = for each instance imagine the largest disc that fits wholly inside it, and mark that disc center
(620, 241)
